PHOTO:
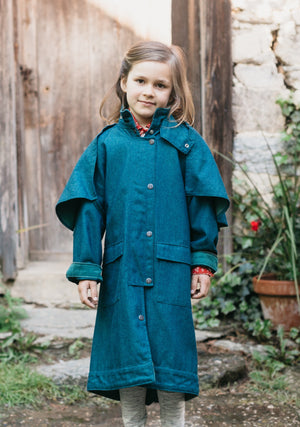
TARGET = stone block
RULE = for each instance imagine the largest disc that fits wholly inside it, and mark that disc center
(250, 149)
(256, 109)
(263, 76)
(253, 11)
(266, 11)
(296, 97)
(292, 76)
(252, 45)
(262, 181)
(288, 47)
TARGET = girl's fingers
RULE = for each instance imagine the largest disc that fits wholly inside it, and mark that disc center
(83, 289)
(194, 284)
(94, 292)
(200, 286)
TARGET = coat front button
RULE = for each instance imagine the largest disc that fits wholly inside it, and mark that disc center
(151, 131)
(148, 280)
(141, 317)
(150, 186)
(151, 141)
(149, 233)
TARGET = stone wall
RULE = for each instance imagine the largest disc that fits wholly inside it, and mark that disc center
(266, 65)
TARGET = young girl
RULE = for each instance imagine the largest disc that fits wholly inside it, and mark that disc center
(150, 182)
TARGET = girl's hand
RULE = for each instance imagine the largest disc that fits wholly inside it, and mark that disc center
(83, 288)
(200, 285)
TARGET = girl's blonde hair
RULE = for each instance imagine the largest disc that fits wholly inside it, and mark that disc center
(181, 102)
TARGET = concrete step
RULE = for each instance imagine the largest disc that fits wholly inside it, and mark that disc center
(44, 283)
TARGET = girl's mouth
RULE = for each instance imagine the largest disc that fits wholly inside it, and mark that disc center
(147, 103)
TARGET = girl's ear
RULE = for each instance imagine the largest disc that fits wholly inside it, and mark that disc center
(123, 84)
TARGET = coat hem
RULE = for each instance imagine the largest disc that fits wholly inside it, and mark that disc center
(158, 379)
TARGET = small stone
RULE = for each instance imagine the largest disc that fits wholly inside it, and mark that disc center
(221, 369)
(69, 372)
(238, 347)
(4, 335)
(203, 335)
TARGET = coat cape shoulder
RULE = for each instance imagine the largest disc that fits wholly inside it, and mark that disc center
(201, 174)
(81, 185)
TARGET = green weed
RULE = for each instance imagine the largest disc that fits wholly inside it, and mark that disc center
(20, 386)
(16, 346)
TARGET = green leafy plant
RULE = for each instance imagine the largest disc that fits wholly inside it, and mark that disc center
(269, 232)
(277, 357)
(10, 312)
(268, 374)
(75, 348)
(231, 296)
(295, 335)
(267, 237)
(15, 345)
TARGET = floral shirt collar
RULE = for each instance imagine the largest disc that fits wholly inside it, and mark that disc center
(142, 129)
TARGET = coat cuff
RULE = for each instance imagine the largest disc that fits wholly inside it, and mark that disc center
(206, 259)
(84, 271)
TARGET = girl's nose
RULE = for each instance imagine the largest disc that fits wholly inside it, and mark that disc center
(148, 90)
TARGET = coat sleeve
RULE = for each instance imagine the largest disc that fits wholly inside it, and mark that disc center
(207, 202)
(81, 208)
(204, 232)
(87, 248)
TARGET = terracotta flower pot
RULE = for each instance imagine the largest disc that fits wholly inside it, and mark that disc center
(278, 300)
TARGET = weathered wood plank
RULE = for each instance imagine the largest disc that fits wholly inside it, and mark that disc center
(186, 34)
(8, 155)
(216, 88)
(203, 29)
(23, 241)
(32, 187)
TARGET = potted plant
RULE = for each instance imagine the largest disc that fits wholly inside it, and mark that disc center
(269, 231)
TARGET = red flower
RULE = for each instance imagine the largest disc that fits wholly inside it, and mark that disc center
(255, 225)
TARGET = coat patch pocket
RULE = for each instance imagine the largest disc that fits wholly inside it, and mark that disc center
(109, 289)
(112, 252)
(174, 253)
(173, 275)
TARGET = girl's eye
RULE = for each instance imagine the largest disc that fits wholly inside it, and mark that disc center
(140, 81)
(161, 85)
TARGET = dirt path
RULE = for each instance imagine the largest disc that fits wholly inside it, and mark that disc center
(216, 407)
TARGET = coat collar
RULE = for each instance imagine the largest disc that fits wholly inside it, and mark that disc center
(127, 120)
(177, 135)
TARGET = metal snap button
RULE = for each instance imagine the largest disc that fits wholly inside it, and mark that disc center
(186, 145)
(150, 186)
(148, 280)
(151, 141)
(149, 233)
(141, 317)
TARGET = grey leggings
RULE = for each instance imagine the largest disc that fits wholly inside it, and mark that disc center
(134, 414)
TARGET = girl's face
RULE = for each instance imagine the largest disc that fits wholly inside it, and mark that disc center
(148, 86)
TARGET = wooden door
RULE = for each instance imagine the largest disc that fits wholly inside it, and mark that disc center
(70, 56)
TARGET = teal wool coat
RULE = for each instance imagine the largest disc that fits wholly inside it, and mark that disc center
(160, 201)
